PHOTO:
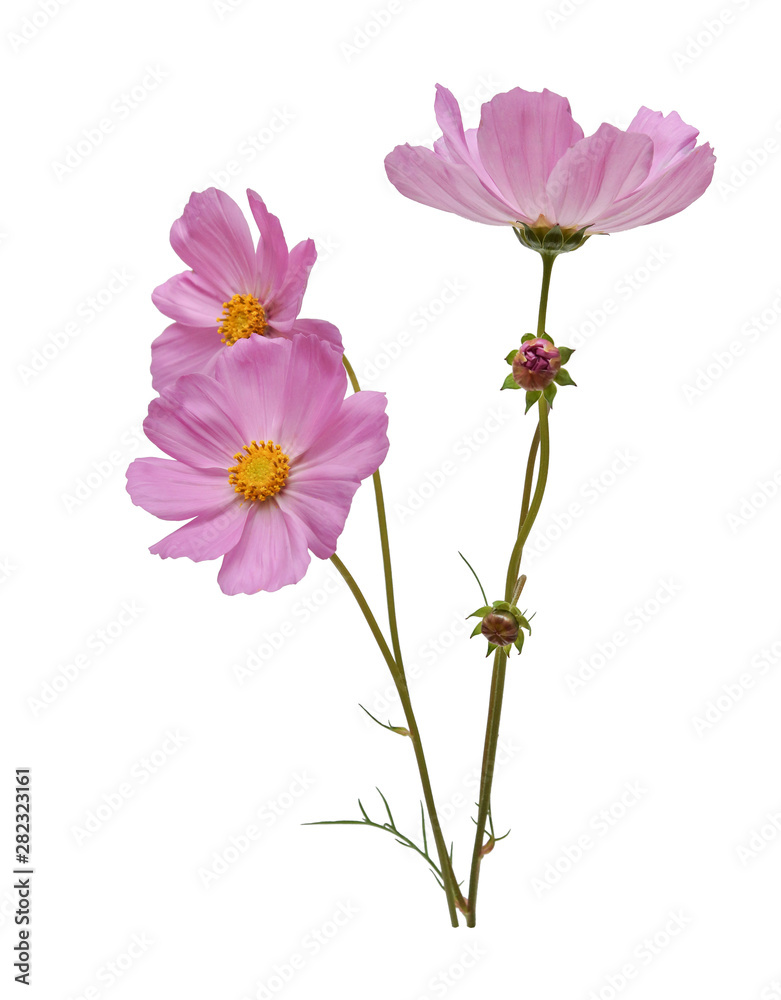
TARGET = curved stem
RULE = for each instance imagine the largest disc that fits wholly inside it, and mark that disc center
(384, 543)
(529, 510)
(452, 891)
(547, 267)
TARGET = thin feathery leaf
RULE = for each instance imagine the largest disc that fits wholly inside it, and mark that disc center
(387, 807)
(482, 591)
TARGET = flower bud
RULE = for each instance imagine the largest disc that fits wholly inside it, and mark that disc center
(536, 365)
(500, 628)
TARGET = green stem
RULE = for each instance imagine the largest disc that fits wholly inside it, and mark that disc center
(547, 267)
(384, 543)
(529, 510)
(452, 891)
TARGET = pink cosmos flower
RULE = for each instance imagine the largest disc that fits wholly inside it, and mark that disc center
(233, 290)
(266, 456)
(528, 162)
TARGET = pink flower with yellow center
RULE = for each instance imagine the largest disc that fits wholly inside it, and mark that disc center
(266, 456)
(529, 162)
(234, 289)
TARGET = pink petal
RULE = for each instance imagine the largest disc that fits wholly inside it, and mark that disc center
(427, 178)
(671, 136)
(521, 137)
(318, 328)
(668, 193)
(596, 173)
(192, 421)
(455, 144)
(212, 237)
(271, 553)
(175, 491)
(282, 390)
(189, 299)
(321, 507)
(180, 350)
(272, 253)
(352, 446)
(286, 302)
(207, 537)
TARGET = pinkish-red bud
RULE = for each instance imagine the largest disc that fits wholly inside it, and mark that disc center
(536, 365)
(500, 628)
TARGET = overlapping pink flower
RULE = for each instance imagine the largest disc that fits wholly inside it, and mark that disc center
(234, 290)
(266, 456)
(528, 162)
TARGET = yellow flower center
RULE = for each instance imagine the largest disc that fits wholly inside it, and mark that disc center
(261, 470)
(241, 317)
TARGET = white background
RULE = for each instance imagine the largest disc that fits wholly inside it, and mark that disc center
(661, 521)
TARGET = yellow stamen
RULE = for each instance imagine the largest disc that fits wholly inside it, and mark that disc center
(241, 317)
(261, 472)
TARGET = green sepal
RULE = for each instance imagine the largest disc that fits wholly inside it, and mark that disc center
(527, 336)
(519, 642)
(576, 240)
(477, 629)
(553, 240)
(509, 382)
(564, 378)
(491, 648)
(511, 356)
(550, 393)
(547, 336)
(531, 399)
(481, 612)
(502, 606)
(566, 353)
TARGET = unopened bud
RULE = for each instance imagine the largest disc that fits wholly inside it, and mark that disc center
(500, 628)
(536, 365)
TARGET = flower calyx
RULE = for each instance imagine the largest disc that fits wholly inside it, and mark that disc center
(549, 240)
(502, 624)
